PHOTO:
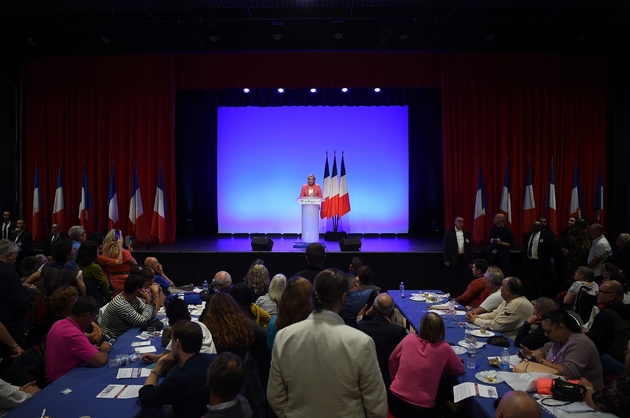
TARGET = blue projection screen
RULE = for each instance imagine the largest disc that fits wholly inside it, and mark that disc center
(266, 153)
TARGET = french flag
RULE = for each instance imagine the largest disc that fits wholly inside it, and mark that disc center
(481, 203)
(550, 203)
(158, 223)
(599, 195)
(135, 209)
(59, 206)
(344, 197)
(85, 206)
(37, 228)
(577, 203)
(529, 205)
(333, 206)
(112, 202)
(326, 192)
(506, 201)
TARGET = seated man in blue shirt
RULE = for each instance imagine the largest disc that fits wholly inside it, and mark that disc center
(159, 275)
(185, 389)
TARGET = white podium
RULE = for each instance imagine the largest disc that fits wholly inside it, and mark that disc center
(310, 218)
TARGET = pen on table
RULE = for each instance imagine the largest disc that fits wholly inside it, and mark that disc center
(43, 413)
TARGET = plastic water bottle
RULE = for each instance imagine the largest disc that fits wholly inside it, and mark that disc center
(402, 289)
(122, 360)
(205, 285)
(505, 360)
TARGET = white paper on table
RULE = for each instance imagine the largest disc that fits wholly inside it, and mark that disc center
(146, 349)
(132, 372)
(140, 343)
(468, 389)
(143, 336)
(442, 312)
(514, 359)
(120, 392)
(569, 411)
(524, 381)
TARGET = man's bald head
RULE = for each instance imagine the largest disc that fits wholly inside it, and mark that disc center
(222, 280)
(150, 262)
(517, 403)
(384, 305)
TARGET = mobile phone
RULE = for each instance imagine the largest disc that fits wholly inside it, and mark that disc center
(105, 337)
(117, 234)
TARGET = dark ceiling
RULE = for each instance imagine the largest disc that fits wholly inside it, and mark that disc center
(64, 27)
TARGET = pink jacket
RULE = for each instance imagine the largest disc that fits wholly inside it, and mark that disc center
(317, 191)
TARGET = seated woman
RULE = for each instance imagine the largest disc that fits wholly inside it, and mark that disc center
(230, 328)
(243, 296)
(614, 398)
(296, 305)
(257, 280)
(93, 273)
(117, 273)
(149, 285)
(536, 338)
(59, 272)
(569, 351)
(269, 302)
(584, 277)
(416, 366)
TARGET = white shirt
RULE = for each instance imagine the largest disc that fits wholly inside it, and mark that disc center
(533, 241)
(459, 233)
(599, 248)
(207, 343)
(493, 301)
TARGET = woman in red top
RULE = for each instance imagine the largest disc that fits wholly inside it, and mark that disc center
(117, 273)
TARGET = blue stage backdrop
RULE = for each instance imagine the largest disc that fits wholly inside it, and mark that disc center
(264, 155)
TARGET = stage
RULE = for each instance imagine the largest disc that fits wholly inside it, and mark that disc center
(416, 261)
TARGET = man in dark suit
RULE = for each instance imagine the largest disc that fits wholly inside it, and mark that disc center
(23, 239)
(55, 234)
(457, 257)
(315, 257)
(540, 245)
(7, 228)
(386, 335)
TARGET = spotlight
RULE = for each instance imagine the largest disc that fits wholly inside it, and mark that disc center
(377, 90)
(338, 35)
(344, 90)
(31, 42)
(245, 90)
(313, 90)
(280, 90)
(213, 38)
(489, 37)
(277, 36)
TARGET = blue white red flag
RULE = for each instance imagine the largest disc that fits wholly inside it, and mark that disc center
(135, 209)
(529, 205)
(550, 202)
(506, 200)
(112, 202)
(344, 196)
(326, 192)
(575, 209)
(158, 223)
(481, 203)
(85, 206)
(333, 206)
(59, 206)
(37, 227)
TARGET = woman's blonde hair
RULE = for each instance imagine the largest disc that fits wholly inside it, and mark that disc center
(110, 248)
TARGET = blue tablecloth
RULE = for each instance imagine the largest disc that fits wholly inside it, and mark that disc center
(87, 382)
(414, 311)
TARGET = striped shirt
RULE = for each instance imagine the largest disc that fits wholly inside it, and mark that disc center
(120, 316)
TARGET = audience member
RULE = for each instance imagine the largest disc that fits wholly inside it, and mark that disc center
(621, 256)
(269, 302)
(511, 314)
(386, 335)
(491, 298)
(117, 273)
(355, 265)
(92, 272)
(59, 272)
(577, 253)
(535, 338)
(302, 367)
(584, 280)
(23, 239)
(244, 297)
(540, 245)
(457, 257)
(49, 240)
(357, 297)
(12, 396)
(471, 298)
(231, 330)
(66, 344)
(159, 276)
(501, 240)
(77, 235)
(101, 260)
(227, 375)
(258, 280)
(610, 330)
(296, 304)
(416, 366)
(223, 282)
(569, 351)
(600, 248)
(155, 289)
(614, 398)
(30, 265)
(128, 309)
(8, 226)
(14, 302)
(315, 257)
(607, 270)
(517, 404)
(185, 388)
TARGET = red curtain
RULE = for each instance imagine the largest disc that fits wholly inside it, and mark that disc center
(99, 110)
(518, 107)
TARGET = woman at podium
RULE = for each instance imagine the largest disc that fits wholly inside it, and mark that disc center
(311, 189)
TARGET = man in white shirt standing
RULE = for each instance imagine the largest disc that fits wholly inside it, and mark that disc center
(457, 257)
(600, 248)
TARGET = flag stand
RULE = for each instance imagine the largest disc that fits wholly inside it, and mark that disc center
(335, 235)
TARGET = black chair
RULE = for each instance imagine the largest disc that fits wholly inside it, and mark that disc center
(584, 303)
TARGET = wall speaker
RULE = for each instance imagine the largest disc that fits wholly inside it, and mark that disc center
(262, 244)
(350, 244)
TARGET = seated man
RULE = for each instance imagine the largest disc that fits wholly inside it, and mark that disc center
(491, 297)
(176, 311)
(511, 314)
(159, 275)
(12, 396)
(66, 344)
(185, 389)
(358, 295)
(471, 298)
(517, 403)
(128, 310)
(226, 377)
